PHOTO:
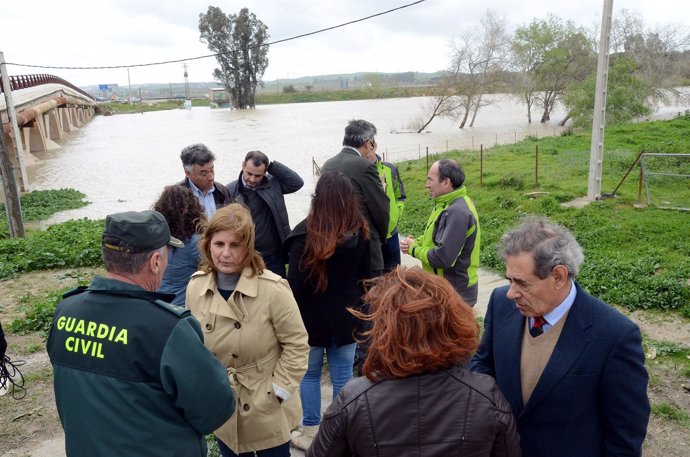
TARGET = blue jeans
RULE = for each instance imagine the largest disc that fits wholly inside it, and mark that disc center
(340, 367)
(391, 253)
(279, 451)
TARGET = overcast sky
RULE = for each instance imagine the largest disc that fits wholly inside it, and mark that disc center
(91, 33)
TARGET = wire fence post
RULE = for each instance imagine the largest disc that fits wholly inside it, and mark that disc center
(536, 165)
(639, 187)
(481, 165)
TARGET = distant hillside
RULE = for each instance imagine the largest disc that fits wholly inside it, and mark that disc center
(322, 82)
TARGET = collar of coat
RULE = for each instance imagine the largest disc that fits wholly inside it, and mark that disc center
(248, 284)
(446, 199)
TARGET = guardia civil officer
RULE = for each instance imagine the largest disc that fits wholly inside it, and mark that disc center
(131, 373)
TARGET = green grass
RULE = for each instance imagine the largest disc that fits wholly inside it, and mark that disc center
(126, 108)
(340, 95)
(635, 258)
(672, 413)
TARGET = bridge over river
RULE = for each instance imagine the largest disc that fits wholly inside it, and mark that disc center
(46, 108)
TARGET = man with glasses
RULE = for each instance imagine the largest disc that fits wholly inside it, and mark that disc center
(353, 162)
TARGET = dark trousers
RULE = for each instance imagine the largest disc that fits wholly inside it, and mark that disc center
(279, 451)
(391, 253)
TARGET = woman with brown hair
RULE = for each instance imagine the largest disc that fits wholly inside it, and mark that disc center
(418, 396)
(329, 259)
(185, 217)
(251, 323)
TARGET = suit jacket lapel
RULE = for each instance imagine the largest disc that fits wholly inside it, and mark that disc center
(569, 348)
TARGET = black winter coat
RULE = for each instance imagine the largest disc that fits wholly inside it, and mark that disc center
(279, 180)
(325, 314)
(454, 412)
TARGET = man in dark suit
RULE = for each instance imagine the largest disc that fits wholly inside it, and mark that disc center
(358, 144)
(571, 366)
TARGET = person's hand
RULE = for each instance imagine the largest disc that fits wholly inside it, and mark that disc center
(405, 244)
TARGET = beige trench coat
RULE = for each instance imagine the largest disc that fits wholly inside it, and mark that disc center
(259, 336)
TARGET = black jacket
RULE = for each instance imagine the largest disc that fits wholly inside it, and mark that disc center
(373, 200)
(279, 180)
(449, 413)
(325, 313)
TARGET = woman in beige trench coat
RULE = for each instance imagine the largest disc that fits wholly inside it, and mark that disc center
(252, 324)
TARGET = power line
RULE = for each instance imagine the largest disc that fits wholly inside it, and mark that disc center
(221, 53)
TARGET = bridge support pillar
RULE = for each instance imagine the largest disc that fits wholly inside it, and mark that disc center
(52, 122)
(40, 131)
(66, 116)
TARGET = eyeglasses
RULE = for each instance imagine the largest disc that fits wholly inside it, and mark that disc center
(373, 143)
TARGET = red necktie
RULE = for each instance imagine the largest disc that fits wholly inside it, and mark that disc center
(537, 327)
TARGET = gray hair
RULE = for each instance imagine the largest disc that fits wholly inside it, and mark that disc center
(125, 261)
(257, 158)
(358, 132)
(196, 154)
(449, 168)
(550, 245)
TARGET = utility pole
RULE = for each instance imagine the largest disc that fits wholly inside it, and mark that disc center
(13, 206)
(129, 83)
(186, 83)
(596, 155)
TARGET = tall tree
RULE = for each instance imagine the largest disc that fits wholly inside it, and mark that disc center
(552, 55)
(239, 42)
(626, 97)
(478, 63)
(529, 47)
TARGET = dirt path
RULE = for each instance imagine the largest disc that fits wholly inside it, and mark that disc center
(30, 427)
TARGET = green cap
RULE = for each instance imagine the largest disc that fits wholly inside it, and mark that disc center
(139, 231)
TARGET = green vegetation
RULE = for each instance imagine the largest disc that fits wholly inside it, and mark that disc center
(144, 107)
(41, 204)
(266, 98)
(679, 354)
(73, 243)
(635, 258)
(38, 312)
(39, 309)
(270, 98)
(70, 244)
(671, 412)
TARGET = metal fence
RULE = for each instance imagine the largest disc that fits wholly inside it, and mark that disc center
(26, 81)
(665, 180)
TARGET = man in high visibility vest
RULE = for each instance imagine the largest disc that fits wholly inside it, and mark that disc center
(395, 190)
(450, 244)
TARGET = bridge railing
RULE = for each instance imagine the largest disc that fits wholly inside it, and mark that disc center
(26, 81)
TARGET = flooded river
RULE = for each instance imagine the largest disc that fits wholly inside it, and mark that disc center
(122, 162)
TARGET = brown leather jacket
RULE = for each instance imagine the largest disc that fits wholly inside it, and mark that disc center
(452, 412)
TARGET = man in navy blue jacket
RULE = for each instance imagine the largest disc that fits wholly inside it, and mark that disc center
(571, 366)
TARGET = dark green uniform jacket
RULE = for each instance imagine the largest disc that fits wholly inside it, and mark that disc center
(132, 376)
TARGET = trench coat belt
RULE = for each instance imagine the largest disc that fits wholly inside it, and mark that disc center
(241, 375)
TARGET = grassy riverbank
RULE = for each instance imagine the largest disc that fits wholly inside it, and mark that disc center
(638, 258)
(271, 98)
